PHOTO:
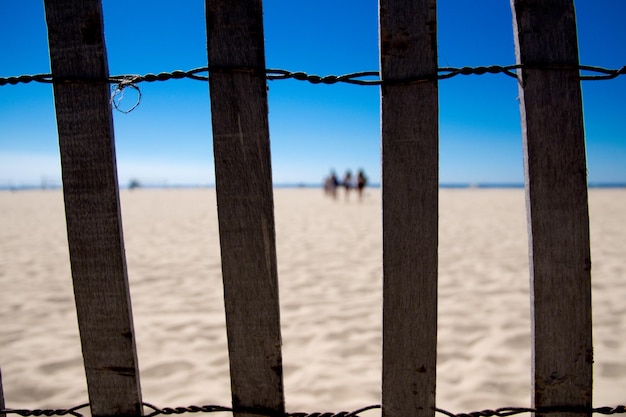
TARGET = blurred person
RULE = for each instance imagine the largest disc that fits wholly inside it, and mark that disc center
(330, 185)
(361, 182)
(347, 183)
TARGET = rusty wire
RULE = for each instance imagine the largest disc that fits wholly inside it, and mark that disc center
(499, 412)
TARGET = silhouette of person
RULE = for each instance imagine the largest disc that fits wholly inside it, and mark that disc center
(361, 182)
(330, 185)
(347, 183)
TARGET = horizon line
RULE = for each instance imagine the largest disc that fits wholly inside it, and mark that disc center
(445, 185)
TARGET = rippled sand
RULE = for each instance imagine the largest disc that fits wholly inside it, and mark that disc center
(329, 265)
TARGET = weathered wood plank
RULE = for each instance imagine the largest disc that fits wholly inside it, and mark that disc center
(556, 194)
(90, 189)
(410, 162)
(243, 179)
(2, 405)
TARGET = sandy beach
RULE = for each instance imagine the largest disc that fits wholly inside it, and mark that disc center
(329, 268)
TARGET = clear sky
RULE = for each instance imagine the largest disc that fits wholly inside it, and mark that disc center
(313, 128)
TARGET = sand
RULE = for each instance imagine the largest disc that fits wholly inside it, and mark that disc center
(329, 265)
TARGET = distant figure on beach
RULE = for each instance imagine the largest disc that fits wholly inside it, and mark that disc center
(361, 182)
(330, 185)
(133, 184)
(347, 183)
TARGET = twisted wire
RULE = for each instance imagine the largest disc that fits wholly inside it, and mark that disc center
(358, 78)
(121, 82)
(498, 412)
(46, 412)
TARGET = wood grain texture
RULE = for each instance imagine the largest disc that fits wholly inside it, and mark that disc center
(90, 188)
(243, 178)
(410, 158)
(556, 194)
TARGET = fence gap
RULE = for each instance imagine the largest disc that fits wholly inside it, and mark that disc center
(243, 181)
(556, 199)
(410, 154)
(90, 189)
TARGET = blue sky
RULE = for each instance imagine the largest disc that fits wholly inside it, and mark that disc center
(313, 128)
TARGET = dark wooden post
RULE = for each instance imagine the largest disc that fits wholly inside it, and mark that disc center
(410, 181)
(556, 195)
(2, 405)
(243, 180)
(94, 227)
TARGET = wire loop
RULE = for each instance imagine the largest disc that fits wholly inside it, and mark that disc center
(117, 94)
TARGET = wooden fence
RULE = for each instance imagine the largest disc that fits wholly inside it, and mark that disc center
(556, 190)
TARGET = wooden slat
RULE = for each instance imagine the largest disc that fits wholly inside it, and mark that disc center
(556, 193)
(408, 41)
(90, 188)
(2, 405)
(243, 179)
